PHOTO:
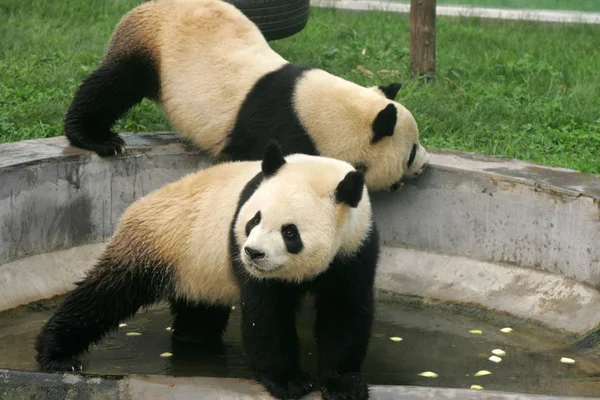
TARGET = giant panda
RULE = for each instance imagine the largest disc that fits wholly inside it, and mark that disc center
(222, 86)
(260, 233)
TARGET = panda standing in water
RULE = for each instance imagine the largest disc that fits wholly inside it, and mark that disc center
(259, 233)
(222, 86)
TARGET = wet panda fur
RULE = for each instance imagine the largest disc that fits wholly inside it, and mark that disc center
(222, 86)
(260, 234)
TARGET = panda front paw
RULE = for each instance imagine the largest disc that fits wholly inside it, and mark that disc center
(292, 386)
(114, 146)
(345, 387)
(66, 364)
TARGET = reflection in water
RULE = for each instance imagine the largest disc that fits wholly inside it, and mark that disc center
(434, 338)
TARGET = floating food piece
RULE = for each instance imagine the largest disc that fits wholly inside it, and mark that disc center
(133, 334)
(233, 307)
(122, 325)
(495, 359)
(428, 374)
(506, 330)
(567, 360)
(499, 352)
(476, 387)
(396, 339)
(166, 355)
(168, 328)
(483, 372)
(476, 331)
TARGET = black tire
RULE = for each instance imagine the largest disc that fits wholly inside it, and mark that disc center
(277, 19)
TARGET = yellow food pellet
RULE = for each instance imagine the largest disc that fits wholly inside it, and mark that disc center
(476, 387)
(499, 352)
(567, 360)
(476, 331)
(506, 330)
(428, 374)
(122, 325)
(168, 328)
(233, 307)
(396, 339)
(133, 334)
(495, 359)
(166, 354)
(483, 372)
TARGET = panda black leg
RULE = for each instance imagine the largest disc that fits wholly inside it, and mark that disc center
(198, 322)
(104, 96)
(344, 303)
(110, 294)
(270, 340)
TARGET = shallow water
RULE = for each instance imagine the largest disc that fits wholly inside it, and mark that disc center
(435, 338)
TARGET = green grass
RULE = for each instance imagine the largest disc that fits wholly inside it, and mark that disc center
(522, 90)
(574, 5)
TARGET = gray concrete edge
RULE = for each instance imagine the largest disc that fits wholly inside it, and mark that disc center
(20, 385)
(555, 16)
(551, 179)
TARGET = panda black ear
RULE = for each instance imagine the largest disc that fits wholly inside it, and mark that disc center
(272, 159)
(384, 123)
(390, 91)
(349, 191)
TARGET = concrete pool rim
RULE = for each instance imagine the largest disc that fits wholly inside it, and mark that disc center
(41, 168)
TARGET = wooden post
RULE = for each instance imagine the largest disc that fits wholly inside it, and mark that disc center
(422, 38)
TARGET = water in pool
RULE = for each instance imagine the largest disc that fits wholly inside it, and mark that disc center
(434, 337)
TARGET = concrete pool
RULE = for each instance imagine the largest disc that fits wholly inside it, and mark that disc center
(474, 242)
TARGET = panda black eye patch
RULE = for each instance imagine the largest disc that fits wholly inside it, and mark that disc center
(291, 238)
(413, 154)
(252, 223)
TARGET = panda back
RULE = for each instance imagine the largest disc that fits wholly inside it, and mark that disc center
(211, 57)
(185, 225)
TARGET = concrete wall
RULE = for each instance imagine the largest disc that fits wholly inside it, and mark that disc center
(471, 228)
(53, 197)
(499, 210)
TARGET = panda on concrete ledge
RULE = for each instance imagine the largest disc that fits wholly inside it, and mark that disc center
(222, 86)
(262, 234)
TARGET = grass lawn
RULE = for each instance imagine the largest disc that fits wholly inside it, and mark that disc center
(521, 90)
(575, 5)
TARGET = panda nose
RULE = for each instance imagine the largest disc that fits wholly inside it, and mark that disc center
(254, 254)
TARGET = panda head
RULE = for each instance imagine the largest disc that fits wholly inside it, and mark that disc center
(306, 211)
(394, 152)
(361, 125)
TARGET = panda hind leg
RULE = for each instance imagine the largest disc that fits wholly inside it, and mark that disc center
(200, 323)
(112, 292)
